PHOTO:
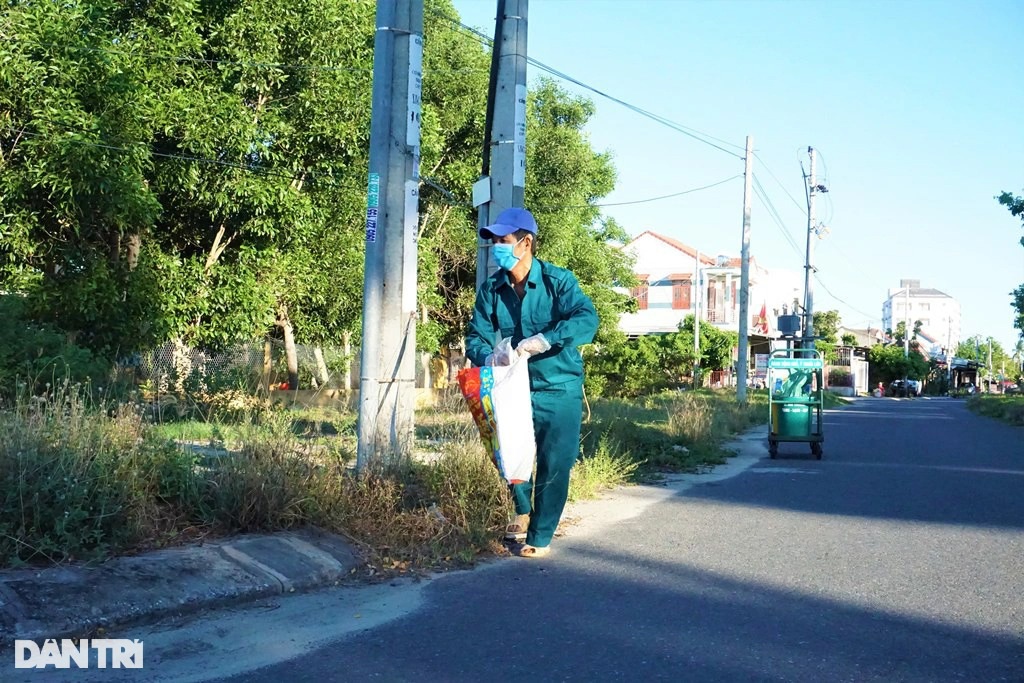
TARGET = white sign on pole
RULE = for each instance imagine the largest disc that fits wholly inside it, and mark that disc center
(411, 228)
(519, 156)
(412, 130)
(482, 191)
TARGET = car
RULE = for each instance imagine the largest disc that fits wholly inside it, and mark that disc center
(1014, 389)
(914, 387)
(896, 388)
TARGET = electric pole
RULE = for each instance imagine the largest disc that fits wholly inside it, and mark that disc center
(906, 337)
(812, 189)
(387, 370)
(742, 357)
(698, 285)
(503, 172)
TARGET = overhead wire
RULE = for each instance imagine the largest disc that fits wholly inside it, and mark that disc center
(802, 207)
(842, 301)
(641, 201)
(693, 133)
(761, 194)
(253, 65)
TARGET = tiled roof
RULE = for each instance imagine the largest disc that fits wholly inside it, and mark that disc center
(676, 244)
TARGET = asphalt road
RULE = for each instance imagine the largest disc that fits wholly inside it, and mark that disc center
(897, 557)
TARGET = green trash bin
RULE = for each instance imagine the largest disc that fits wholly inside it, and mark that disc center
(791, 419)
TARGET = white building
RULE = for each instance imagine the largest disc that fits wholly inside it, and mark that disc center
(938, 312)
(668, 290)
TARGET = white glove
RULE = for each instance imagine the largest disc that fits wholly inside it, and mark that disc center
(531, 346)
(503, 353)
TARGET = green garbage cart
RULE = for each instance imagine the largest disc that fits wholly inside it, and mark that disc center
(795, 399)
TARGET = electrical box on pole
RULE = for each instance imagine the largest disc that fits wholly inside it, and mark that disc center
(387, 389)
(503, 172)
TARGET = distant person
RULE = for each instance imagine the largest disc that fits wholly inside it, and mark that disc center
(542, 308)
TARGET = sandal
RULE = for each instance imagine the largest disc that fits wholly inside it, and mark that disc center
(533, 551)
(516, 529)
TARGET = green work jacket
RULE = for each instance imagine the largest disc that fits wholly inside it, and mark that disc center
(554, 305)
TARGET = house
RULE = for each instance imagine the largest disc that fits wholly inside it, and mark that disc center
(865, 337)
(669, 291)
(938, 312)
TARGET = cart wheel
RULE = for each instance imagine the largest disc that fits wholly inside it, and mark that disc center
(816, 450)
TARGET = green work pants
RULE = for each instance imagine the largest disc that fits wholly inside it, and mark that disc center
(557, 413)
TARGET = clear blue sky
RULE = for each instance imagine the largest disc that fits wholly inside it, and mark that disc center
(916, 109)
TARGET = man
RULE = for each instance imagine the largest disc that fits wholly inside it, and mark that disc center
(547, 316)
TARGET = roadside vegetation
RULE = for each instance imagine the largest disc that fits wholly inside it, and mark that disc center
(1008, 408)
(82, 479)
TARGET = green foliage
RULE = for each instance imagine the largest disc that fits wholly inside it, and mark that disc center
(849, 339)
(826, 325)
(197, 171)
(889, 363)
(1009, 409)
(840, 378)
(1015, 205)
(35, 355)
(981, 349)
(608, 466)
(652, 363)
(672, 430)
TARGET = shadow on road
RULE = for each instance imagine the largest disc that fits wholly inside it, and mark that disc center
(918, 460)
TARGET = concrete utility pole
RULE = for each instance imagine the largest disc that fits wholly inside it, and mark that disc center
(503, 172)
(906, 336)
(387, 370)
(742, 355)
(698, 285)
(812, 188)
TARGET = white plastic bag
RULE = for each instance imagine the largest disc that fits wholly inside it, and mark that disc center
(499, 399)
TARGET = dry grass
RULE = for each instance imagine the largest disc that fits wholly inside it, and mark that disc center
(85, 481)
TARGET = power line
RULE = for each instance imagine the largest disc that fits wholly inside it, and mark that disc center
(845, 303)
(307, 175)
(774, 215)
(649, 199)
(252, 65)
(802, 207)
(685, 130)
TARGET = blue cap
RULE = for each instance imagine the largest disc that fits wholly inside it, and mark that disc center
(508, 222)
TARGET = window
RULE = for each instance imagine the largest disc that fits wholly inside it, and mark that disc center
(640, 294)
(681, 294)
(924, 307)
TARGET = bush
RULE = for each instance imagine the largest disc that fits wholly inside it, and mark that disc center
(38, 355)
(840, 378)
(1006, 408)
(80, 483)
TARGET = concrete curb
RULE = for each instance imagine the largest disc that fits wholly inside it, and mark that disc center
(74, 601)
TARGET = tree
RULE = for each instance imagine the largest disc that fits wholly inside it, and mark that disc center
(826, 327)
(888, 363)
(76, 118)
(1015, 205)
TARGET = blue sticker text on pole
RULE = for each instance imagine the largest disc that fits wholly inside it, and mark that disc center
(372, 206)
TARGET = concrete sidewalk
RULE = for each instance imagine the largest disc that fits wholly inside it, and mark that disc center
(70, 601)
